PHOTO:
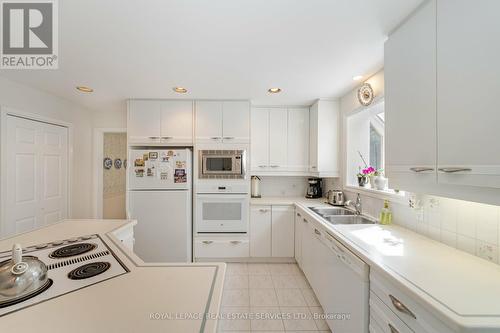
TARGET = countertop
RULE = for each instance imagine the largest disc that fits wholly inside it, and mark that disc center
(125, 303)
(462, 290)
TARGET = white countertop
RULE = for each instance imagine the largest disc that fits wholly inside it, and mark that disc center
(124, 303)
(460, 288)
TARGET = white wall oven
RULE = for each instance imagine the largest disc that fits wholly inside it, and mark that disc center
(222, 164)
(226, 213)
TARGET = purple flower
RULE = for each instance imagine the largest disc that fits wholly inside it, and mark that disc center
(368, 171)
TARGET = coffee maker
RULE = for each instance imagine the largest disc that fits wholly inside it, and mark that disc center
(314, 189)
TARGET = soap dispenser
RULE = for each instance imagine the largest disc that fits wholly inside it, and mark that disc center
(386, 214)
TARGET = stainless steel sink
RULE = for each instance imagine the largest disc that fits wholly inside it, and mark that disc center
(340, 215)
(352, 219)
(332, 211)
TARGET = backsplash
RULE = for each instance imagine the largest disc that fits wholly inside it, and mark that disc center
(467, 226)
(283, 186)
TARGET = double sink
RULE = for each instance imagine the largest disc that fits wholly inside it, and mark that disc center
(340, 215)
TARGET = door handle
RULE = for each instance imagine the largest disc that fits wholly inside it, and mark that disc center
(401, 307)
(421, 169)
(453, 170)
(235, 242)
(207, 242)
(393, 329)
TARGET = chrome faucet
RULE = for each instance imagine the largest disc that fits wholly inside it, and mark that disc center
(357, 206)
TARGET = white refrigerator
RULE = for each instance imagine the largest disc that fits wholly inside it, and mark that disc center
(160, 199)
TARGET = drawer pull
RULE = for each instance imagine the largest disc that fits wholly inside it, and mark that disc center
(421, 169)
(263, 210)
(401, 307)
(228, 138)
(453, 170)
(154, 137)
(298, 214)
(317, 232)
(275, 166)
(167, 137)
(215, 138)
(393, 329)
(235, 242)
(208, 242)
(305, 221)
(262, 166)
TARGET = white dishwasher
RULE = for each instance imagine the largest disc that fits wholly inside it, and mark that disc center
(343, 285)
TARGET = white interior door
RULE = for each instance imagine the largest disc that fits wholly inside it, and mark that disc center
(36, 165)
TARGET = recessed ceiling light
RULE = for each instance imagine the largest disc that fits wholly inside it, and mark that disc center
(357, 77)
(84, 89)
(180, 90)
(274, 90)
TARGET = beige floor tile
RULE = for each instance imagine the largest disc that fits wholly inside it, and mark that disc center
(263, 297)
(266, 319)
(235, 319)
(260, 282)
(235, 297)
(280, 269)
(237, 269)
(236, 282)
(285, 282)
(298, 319)
(258, 269)
(318, 316)
(290, 297)
(302, 282)
(310, 297)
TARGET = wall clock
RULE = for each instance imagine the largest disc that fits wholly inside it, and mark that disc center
(365, 94)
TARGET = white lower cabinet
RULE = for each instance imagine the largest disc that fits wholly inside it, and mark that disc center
(383, 320)
(272, 231)
(260, 231)
(298, 236)
(221, 247)
(282, 231)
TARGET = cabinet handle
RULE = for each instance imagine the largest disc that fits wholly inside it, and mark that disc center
(421, 169)
(262, 166)
(167, 137)
(263, 210)
(208, 242)
(453, 170)
(228, 137)
(235, 242)
(401, 307)
(298, 214)
(305, 221)
(154, 137)
(275, 166)
(317, 232)
(393, 329)
(314, 167)
(216, 138)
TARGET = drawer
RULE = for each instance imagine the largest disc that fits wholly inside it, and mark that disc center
(384, 319)
(414, 315)
(221, 248)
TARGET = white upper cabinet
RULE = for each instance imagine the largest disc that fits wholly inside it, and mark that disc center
(177, 122)
(468, 80)
(143, 121)
(259, 148)
(324, 139)
(277, 139)
(208, 121)
(410, 101)
(222, 121)
(160, 122)
(297, 139)
(236, 121)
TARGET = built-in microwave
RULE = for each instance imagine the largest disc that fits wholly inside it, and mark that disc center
(222, 164)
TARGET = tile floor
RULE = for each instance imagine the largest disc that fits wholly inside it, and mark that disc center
(269, 298)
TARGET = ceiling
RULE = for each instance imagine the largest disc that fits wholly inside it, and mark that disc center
(233, 49)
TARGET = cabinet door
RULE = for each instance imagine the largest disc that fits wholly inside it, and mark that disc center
(143, 121)
(260, 139)
(236, 122)
(177, 122)
(468, 75)
(298, 238)
(410, 101)
(208, 121)
(298, 139)
(277, 139)
(260, 231)
(313, 138)
(283, 226)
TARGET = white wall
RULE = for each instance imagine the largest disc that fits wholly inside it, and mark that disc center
(27, 99)
(467, 226)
